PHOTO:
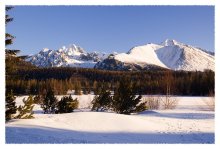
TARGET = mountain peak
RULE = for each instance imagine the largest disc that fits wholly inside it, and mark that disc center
(77, 48)
(170, 42)
(45, 50)
(72, 49)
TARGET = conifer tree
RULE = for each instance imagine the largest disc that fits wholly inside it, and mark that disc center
(10, 106)
(125, 100)
(103, 100)
(49, 102)
(8, 37)
(67, 105)
(26, 111)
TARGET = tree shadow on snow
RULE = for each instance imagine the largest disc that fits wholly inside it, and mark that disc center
(41, 135)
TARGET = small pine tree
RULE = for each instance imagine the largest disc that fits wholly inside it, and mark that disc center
(125, 100)
(26, 111)
(67, 105)
(10, 106)
(49, 102)
(103, 100)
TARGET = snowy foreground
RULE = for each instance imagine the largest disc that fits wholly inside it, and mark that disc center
(190, 122)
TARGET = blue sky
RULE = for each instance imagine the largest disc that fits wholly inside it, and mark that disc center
(109, 28)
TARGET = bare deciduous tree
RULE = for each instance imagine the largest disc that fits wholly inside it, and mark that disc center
(152, 102)
(168, 102)
(210, 102)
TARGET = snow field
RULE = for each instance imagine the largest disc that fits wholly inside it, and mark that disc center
(190, 122)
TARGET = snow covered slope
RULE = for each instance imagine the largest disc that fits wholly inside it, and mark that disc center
(141, 54)
(168, 55)
(179, 56)
(73, 56)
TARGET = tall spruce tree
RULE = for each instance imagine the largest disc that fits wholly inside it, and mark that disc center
(10, 106)
(12, 62)
(8, 41)
(126, 100)
(26, 111)
(8, 37)
(49, 102)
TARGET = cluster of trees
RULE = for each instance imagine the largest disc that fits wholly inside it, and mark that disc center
(35, 80)
(125, 99)
(48, 102)
(59, 87)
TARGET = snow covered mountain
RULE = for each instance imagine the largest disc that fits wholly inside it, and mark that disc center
(73, 56)
(170, 54)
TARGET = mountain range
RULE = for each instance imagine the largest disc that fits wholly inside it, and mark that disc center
(71, 56)
(169, 54)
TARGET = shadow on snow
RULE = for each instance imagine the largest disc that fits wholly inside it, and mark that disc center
(33, 134)
(179, 115)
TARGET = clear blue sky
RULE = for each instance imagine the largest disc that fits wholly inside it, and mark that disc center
(109, 28)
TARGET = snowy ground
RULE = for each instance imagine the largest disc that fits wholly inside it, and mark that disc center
(190, 122)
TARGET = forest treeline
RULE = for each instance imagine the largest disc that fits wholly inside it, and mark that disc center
(37, 80)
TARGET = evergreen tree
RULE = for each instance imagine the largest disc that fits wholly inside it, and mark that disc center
(26, 111)
(10, 106)
(103, 100)
(9, 53)
(67, 105)
(125, 100)
(49, 102)
(8, 37)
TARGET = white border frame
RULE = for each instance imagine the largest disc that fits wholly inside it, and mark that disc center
(3, 3)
